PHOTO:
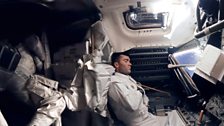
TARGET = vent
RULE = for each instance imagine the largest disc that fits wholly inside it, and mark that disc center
(150, 64)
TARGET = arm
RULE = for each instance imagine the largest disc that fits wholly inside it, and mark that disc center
(130, 99)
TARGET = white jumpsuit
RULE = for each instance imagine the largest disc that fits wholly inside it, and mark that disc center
(130, 105)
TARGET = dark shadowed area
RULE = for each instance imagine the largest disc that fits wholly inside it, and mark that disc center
(64, 21)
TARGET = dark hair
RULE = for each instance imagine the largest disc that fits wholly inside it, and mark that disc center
(115, 56)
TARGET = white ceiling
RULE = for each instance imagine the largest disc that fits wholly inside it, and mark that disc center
(181, 23)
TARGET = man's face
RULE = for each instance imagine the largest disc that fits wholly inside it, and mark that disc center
(123, 65)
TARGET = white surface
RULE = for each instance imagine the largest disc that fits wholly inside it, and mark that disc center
(210, 66)
(2, 120)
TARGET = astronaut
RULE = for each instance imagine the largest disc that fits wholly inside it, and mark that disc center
(129, 101)
(18, 75)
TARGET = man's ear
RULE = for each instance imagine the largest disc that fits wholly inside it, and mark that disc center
(116, 65)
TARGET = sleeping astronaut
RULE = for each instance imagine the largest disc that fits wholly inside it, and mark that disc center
(88, 89)
(17, 74)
